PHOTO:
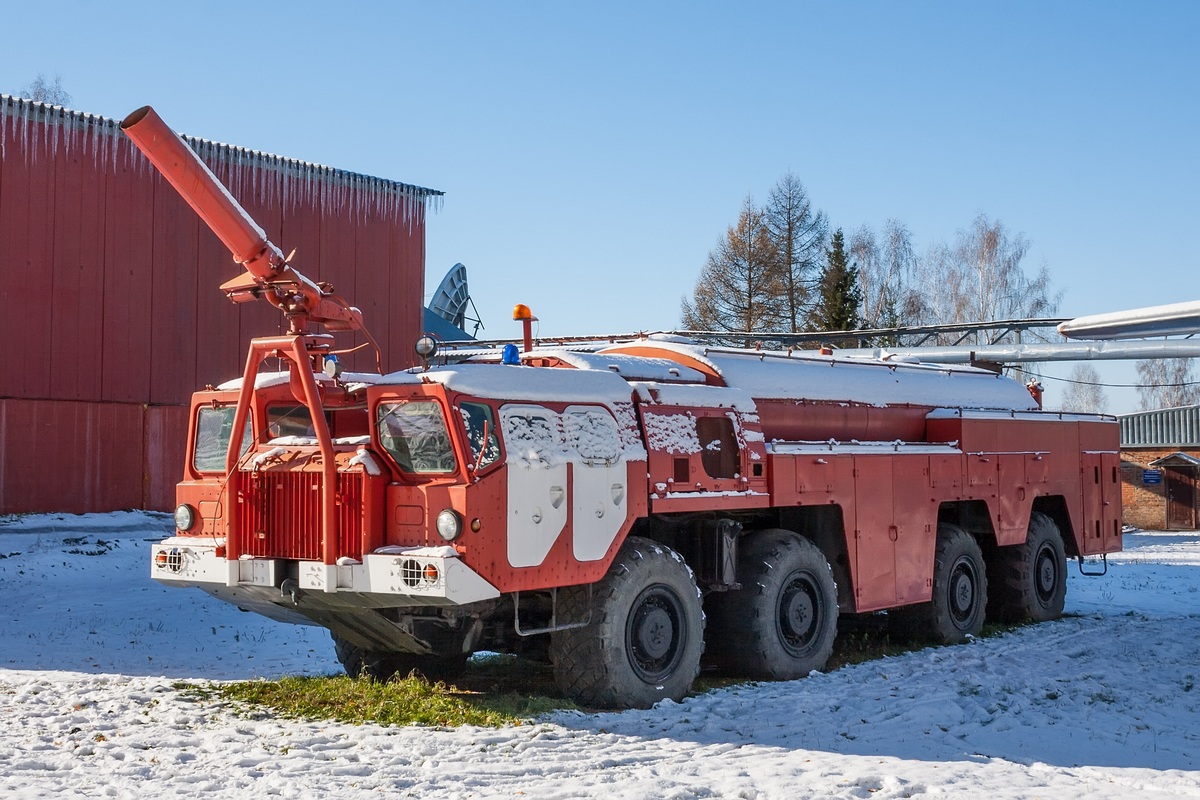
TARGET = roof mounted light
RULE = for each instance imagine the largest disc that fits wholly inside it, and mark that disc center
(522, 314)
(426, 347)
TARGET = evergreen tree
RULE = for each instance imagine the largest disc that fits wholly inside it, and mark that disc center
(839, 296)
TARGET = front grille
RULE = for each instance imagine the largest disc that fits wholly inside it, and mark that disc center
(279, 514)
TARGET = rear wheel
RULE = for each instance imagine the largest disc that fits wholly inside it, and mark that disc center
(956, 610)
(381, 665)
(645, 635)
(782, 623)
(1029, 581)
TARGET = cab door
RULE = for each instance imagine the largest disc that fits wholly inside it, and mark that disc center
(599, 495)
(537, 482)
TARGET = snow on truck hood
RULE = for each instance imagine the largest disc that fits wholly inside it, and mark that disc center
(533, 384)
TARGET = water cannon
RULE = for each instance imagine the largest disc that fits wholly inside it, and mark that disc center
(268, 274)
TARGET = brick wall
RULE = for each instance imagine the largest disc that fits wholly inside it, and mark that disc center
(1145, 505)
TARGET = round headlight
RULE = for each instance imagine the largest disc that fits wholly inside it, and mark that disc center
(449, 524)
(185, 517)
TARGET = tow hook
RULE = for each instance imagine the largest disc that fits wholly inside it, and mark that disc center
(290, 588)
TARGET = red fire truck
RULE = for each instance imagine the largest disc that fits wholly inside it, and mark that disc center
(622, 512)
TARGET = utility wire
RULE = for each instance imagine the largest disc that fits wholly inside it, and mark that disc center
(1120, 385)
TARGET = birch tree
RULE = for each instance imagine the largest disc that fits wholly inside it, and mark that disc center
(1167, 383)
(886, 267)
(1085, 394)
(982, 277)
(43, 90)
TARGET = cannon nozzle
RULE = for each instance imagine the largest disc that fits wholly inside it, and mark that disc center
(268, 273)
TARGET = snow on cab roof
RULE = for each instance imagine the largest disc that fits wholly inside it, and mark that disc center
(534, 384)
(772, 374)
(353, 380)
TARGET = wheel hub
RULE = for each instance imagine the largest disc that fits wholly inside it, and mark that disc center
(1046, 574)
(962, 592)
(654, 633)
(798, 612)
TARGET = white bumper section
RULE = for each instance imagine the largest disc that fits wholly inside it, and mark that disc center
(419, 572)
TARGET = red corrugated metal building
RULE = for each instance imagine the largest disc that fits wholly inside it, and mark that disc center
(111, 312)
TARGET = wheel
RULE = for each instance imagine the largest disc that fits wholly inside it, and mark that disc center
(381, 666)
(782, 622)
(646, 633)
(1029, 581)
(956, 611)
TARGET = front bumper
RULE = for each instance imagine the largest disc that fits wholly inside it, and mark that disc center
(425, 575)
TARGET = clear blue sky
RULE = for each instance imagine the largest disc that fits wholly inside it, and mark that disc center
(592, 153)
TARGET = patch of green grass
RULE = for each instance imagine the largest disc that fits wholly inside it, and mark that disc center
(495, 690)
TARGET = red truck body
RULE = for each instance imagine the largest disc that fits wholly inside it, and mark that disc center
(625, 511)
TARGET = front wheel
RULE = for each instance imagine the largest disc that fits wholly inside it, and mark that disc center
(960, 589)
(783, 621)
(645, 635)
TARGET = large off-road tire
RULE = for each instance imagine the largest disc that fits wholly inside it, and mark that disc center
(381, 666)
(782, 622)
(960, 591)
(1029, 581)
(645, 636)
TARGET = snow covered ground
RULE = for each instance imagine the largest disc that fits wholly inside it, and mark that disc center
(1103, 703)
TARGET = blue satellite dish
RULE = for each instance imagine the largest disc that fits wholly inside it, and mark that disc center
(451, 298)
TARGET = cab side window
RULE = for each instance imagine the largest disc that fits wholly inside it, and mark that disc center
(483, 435)
(718, 447)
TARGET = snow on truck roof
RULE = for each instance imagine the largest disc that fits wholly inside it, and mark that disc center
(605, 376)
(783, 375)
(631, 368)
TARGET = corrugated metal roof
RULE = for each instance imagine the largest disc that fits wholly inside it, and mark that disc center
(64, 128)
(1165, 427)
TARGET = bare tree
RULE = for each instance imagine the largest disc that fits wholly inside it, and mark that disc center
(737, 284)
(45, 91)
(886, 267)
(1167, 383)
(1085, 393)
(982, 278)
(798, 231)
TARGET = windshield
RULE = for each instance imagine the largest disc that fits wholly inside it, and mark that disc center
(212, 438)
(414, 433)
(285, 421)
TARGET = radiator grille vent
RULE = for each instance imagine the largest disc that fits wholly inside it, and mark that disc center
(280, 514)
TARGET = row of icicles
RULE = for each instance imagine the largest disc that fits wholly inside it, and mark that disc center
(36, 130)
